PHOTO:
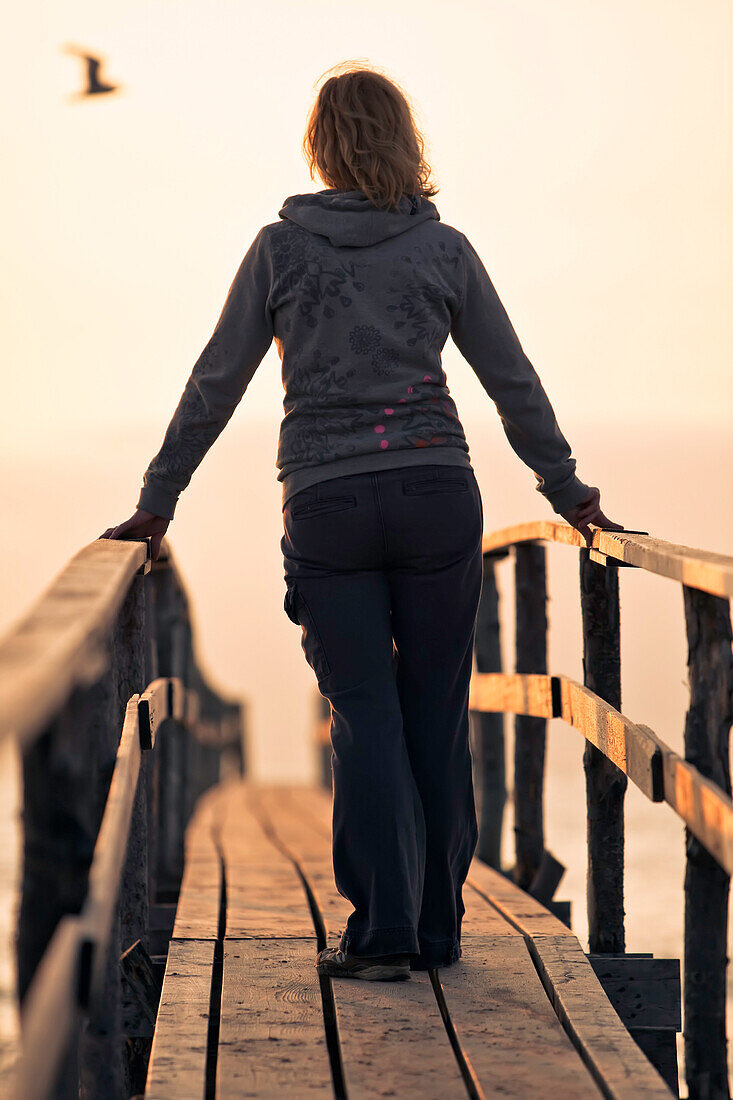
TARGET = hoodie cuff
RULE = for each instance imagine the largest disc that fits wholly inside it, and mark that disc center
(569, 496)
(159, 501)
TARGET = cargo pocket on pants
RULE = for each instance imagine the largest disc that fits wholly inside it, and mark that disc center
(298, 612)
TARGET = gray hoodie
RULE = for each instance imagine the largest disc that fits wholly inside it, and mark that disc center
(360, 302)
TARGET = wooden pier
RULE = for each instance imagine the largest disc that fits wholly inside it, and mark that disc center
(172, 909)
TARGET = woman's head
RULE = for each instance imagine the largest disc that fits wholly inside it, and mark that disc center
(361, 136)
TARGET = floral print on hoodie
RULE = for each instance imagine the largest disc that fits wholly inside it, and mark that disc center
(360, 303)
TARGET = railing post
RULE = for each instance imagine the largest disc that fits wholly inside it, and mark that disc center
(530, 571)
(171, 747)
(488, 728)
(151, 760)
(707, 732)
(605, 783)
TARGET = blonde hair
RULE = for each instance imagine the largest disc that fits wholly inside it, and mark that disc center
(362, 136)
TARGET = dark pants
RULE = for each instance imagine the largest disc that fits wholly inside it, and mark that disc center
(383, 574)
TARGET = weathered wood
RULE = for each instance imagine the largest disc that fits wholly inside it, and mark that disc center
(516, 906)
(61, 643)
(601, 1041)
(660, 1047)
(49, 1014)
(616, 1062)
(705, 809)
(605, 783)
(66, 773)
(511, 693)
(644, 991)
(698, 569)
(271, 1041)
(633, 749)
(529, 732)
(153, 710)
(265, 894)
(507, 1027)
(392, 1039)
(586, 1014)
(139, 975)
(178, 1056)
(707, 885)
(199, 902)
(110, 851)
(487, 730)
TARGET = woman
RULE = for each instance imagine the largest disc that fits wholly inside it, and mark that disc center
(360, 285)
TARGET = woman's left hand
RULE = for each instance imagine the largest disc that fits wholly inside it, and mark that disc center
(141, 525)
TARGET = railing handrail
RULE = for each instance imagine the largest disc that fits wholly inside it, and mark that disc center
(656, 769)
(103, 662)
(60, 643)
(700, 569)
(698, 787)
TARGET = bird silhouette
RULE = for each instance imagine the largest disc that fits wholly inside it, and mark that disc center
(95, 84)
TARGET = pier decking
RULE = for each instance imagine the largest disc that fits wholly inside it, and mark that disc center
(257, 903)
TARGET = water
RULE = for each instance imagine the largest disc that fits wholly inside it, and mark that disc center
(226, 541)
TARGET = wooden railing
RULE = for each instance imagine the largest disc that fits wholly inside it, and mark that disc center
(697, 788)
(120, 732)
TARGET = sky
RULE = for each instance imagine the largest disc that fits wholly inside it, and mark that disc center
(584, 149)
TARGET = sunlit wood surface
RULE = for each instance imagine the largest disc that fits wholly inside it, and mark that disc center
(523, 1006)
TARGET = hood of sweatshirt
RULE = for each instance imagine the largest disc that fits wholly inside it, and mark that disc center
(347, 218)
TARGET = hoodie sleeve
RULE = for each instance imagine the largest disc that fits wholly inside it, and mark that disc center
(484, 335)
(217, 382)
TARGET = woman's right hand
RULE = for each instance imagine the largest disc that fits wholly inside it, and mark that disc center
(587, 512)
(141, 525)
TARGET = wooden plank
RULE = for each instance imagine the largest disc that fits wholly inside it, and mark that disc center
(700, 569)
(521, 910)
(631, 747)
(153, 709)
(49, 1014)
(512, 693)
(199, 900)
(704, 808)
(614, 1059)
(576, 994)
(392, 1038)
(265, 895)
(628, 745)
(272, 1041)
(110, 851)
(506, 1024)
(178, 1056)
(644, 991)
(62, 640)
(617, 1065)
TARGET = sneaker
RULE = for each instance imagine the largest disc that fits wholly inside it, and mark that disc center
(370, 968)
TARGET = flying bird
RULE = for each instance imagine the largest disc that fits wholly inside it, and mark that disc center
(96, 85)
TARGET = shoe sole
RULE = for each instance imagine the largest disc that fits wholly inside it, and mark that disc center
(374, 973)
